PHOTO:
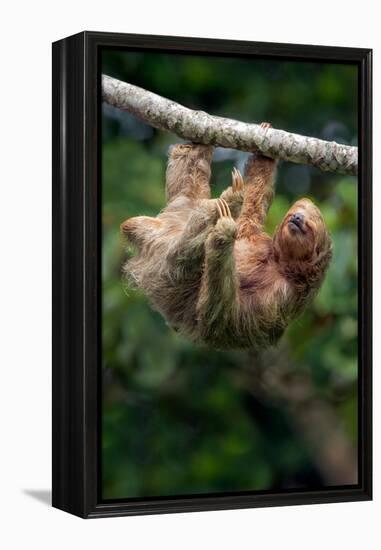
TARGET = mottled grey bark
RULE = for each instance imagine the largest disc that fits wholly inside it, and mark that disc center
(200, 127)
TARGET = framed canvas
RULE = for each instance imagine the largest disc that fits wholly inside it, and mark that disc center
(210, 351)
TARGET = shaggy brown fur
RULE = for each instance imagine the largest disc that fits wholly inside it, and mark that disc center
(208, 266)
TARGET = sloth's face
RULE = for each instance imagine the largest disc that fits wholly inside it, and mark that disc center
(303, 234)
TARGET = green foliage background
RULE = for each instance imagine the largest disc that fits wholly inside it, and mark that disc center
(175, 418)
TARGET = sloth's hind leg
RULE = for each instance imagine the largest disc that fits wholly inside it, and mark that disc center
(188, 172)
(141, 229)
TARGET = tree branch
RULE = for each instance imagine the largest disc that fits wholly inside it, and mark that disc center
(200, 127)
(273, 379)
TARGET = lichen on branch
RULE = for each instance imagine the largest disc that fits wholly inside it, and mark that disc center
(201, 127)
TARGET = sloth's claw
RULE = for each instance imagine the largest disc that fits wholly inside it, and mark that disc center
(237, 181)
(223, 209)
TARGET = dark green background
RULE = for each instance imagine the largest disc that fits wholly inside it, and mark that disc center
(176, 419)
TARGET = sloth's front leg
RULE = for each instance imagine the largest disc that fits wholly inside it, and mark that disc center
(218, 304)
(188, 250)
(233, 195)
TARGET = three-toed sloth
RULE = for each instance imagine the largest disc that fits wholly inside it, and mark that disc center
(208, 266)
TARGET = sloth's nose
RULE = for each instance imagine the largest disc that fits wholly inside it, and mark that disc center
(297, 218)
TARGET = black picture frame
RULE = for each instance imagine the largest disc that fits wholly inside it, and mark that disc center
(76, 263)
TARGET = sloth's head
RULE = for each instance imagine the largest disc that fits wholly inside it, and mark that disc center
(303, 236)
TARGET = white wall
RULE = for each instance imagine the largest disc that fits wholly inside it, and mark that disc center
(27, 29)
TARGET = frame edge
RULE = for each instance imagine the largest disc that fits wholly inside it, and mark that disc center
(74, 379)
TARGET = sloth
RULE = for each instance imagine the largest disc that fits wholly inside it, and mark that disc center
(208, 266)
